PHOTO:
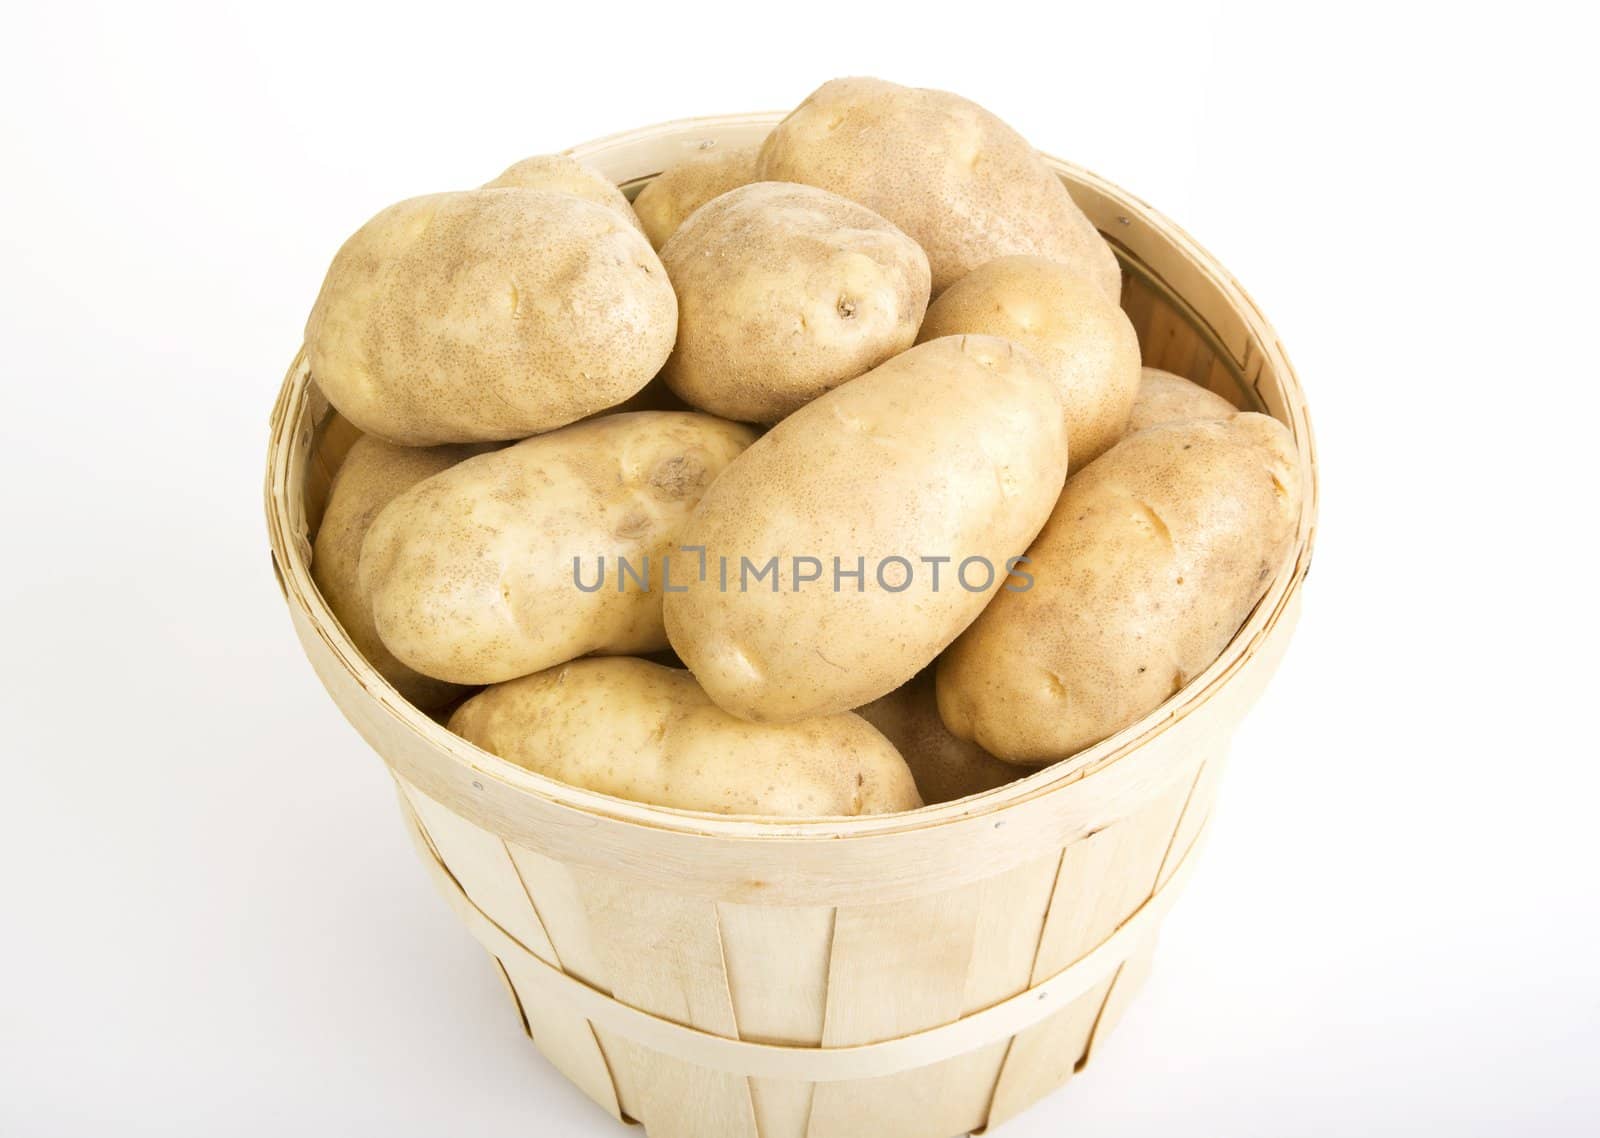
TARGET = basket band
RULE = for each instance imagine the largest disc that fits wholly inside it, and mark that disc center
(809, 1063)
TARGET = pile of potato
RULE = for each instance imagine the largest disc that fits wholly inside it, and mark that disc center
(823, 479)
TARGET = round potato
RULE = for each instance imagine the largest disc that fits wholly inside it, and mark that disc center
(1084, 340)
(637, 730)
(1168, 398)
(1150, 562)
(488, 315)
(688, 184)
(854, 540)
(511, 562)
(373, 474)
(963, 184)
(946, 768)
(785, 292)
(562, 174)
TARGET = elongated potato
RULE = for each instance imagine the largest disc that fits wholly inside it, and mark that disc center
(1152, 559)
(688, 184)
(1168, 398)
(494, 568)
(562, 174)
(963, 184)
(785, 292)
(637, 730)
(886, 511)
(374, 473)
(946, 768)
(1080, 335)
(488, 315)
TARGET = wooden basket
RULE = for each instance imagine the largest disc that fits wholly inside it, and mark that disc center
(904, 976)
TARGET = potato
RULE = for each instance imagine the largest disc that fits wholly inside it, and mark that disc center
(953, 450)
(785, 292)
(688, 184)
(1084, 340)
(488, 315)
(963, 184)
(492, 569)
(1150, 562)
(946, 768)
(562, 174)
(636, 730)
(1168, 398)
(373, 474)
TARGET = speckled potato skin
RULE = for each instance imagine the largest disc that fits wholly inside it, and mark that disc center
(637, 730)
(963, 184)
(488, 315)
(785, 292)
(565, 175)
(1167, 398)
(373, 474)
(946, 768)
(470, 574)
(1150, 562)
(955, 448)
(1084, 340)
(687, 185)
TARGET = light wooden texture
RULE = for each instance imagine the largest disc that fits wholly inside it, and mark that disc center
(615, 1020)
(482, 868)
(1101, 882)
(902, 976)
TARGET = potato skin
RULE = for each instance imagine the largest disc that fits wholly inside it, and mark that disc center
(1167, 398)
(946, 768)
(785, 292)
(488, 315)
(1150, 562)
(668, 199)
(641, 731)
(1083, 338)
(562, 174)
(374, 473)
(962, 183)
(470, 574)
(954, 449)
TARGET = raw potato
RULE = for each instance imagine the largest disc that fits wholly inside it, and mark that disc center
(946, 768)
(1149, 564)
(1084, 340)
(688, 184)
(953, 449)
(1168, 398)
(373, 474)
(488, 315)
(962, 183)
(637, 730)
(564, 175)
(785, 292)
(471, 574)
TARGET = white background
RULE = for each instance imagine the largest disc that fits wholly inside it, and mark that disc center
(212, 922)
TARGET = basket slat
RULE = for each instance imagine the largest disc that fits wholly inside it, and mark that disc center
(1124, 986)
(783, 1107)
(1196, 813)
(482, 866)
(662, 953)
(895, 969)
(1102, 881)
(777, 962)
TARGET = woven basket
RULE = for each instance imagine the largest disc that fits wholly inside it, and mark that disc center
(909, 976)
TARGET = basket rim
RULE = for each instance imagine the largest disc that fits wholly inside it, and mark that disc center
(291, 564)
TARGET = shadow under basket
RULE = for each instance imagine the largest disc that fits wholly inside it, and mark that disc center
(917, 975)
